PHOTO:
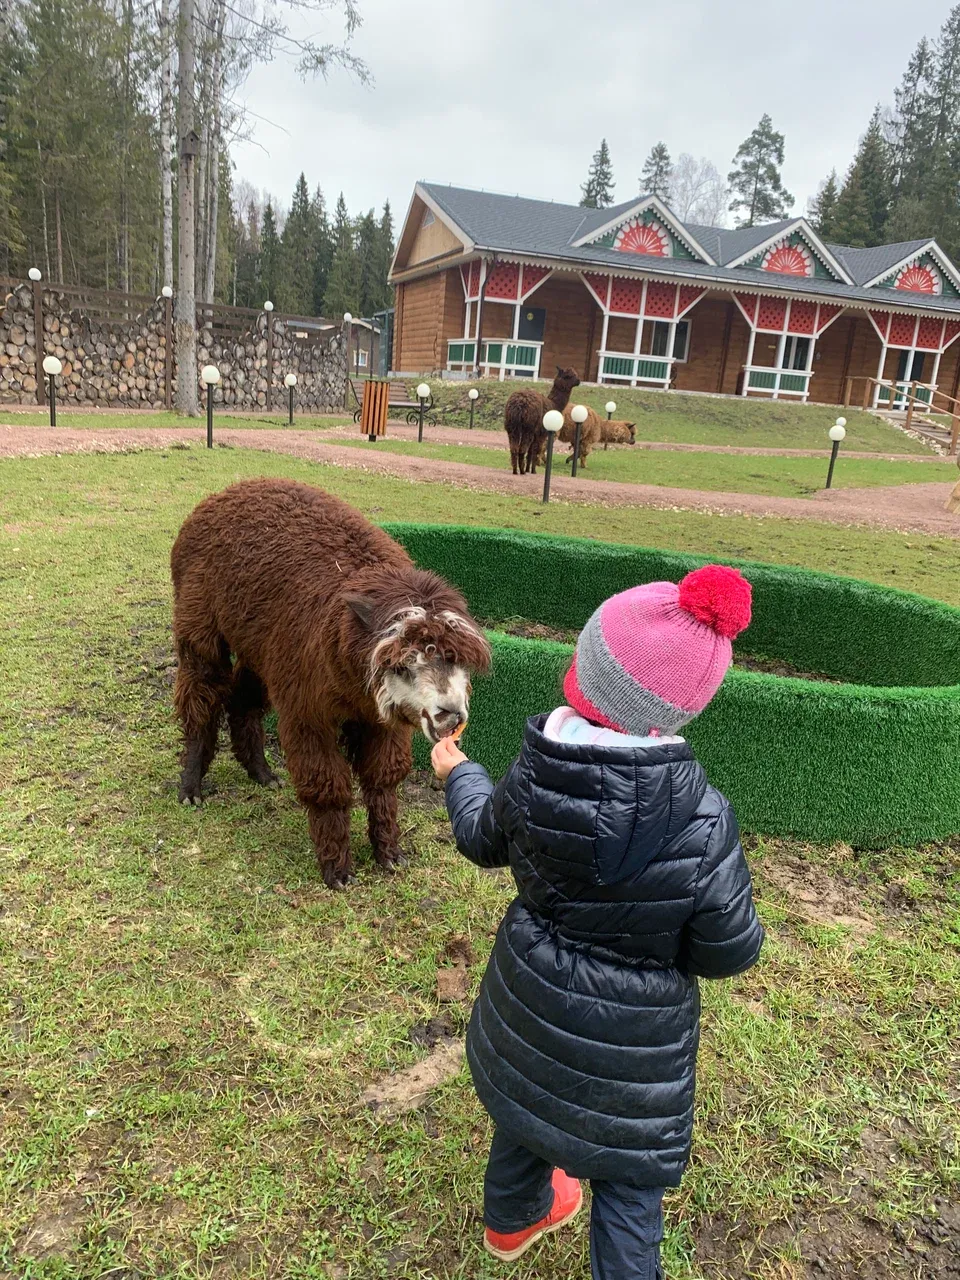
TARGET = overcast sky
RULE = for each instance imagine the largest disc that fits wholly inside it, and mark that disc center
(515, 95)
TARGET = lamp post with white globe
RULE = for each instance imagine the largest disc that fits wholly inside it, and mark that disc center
(167, 294)
(52, 367)
(473, 396)
(611, 408)
(290, 381)
(423, 395)
(552, 422)
(209, 376)
(579, 413)
(836, 434)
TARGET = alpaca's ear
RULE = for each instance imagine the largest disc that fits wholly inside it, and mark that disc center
(559, 371)
(363, 609)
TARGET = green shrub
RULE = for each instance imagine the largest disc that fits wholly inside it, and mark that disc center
(873, 761)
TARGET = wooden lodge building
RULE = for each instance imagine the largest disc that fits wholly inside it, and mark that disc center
(503, 286)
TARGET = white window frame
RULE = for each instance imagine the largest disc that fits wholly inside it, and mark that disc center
(790, 344)
(686, 347)
(361, 358)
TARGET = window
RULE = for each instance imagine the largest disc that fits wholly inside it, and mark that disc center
(796, 353)
(428, 219)
(361, 359)
(661, 335)
(916, 366)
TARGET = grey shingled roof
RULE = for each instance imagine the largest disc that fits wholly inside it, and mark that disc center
(545, 229)
(867, 264)
(734, 244)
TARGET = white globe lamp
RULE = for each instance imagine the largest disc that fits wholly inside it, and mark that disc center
(166, 291)
(290, 380)
(34, 274)
(611, 408)
(51, 367)
(268, 305)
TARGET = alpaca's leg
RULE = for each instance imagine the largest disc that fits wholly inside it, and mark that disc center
(248, 702)
(381, 758)
(324, 787)
(201, 689)
(515, 460)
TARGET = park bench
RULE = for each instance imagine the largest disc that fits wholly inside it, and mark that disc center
(403, 402)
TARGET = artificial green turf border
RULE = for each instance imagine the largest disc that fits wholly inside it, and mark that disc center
(872, 762)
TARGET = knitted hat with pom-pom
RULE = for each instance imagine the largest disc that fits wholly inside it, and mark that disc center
(651, 658)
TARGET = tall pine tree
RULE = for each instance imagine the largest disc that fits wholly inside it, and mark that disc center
(299, 249)
(324, 256)
(759, 193)
(823, 207)
(269, 273)
(912, 124)
(863, 206)
(657, 173)
(343, 286)
(597, 191)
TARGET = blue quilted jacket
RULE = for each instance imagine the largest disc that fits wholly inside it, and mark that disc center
(632, 884)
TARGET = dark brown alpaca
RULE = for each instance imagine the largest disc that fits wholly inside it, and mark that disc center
(328, 620)
(523, 418)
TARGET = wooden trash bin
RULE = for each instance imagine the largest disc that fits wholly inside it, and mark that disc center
(373, 411)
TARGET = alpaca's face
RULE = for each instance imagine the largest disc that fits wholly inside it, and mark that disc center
(421, 682)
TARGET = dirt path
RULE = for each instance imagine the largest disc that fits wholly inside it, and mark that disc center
(913, 508)
(334, 428)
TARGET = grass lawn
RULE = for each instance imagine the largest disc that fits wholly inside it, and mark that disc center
(160, 418)
(718, 472)
(188, 1019)
(693, 419)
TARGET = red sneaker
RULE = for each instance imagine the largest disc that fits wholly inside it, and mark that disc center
(567, 1199)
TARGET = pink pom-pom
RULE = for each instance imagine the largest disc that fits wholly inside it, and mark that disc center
(717, 596)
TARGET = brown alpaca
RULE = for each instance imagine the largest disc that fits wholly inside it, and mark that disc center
(618, 432)
(593, 429)
(523, 419)
(329, 621)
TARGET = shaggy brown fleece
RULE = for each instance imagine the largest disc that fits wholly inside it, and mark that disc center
(523, 419)
(301, 590)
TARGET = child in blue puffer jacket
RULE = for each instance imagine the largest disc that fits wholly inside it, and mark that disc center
(631, 884)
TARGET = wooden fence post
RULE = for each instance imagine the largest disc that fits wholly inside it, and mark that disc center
(270, 359)
(954, 432)
(867, 384)
(39, 340)
(168, 353)
(910, 402)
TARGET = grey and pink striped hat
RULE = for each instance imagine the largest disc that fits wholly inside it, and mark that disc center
(651, 658)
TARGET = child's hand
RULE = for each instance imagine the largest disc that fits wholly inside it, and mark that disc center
(445, 757)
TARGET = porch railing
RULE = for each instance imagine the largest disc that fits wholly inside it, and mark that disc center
(774, 382)
(499, 357)
(922, 399)
(624, 366)
(894, 395)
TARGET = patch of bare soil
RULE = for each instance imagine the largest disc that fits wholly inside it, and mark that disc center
(56, 1231)
(777, 667)
(408, 1089)
(529, 630)
(453, 977)
(816, 896)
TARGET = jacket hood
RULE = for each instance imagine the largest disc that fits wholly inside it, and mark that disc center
(602, 813)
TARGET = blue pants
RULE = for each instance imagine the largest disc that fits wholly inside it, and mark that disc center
(626, 1224)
